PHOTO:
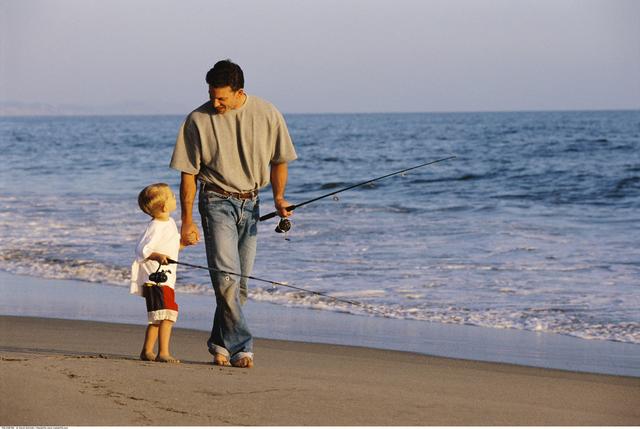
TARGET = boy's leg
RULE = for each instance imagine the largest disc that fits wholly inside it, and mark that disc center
(164, 336)
(150, 338)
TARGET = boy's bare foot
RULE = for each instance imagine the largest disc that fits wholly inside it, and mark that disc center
(148, 356)
(220, 360)
(243, 362)
(167, 359)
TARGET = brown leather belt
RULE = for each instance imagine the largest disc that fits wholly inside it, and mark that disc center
(238, 195)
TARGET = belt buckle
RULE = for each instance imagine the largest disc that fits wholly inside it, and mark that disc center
(245, 195)
(239, 195)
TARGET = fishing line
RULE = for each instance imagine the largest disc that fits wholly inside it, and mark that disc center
(274, 283)
(285, 226)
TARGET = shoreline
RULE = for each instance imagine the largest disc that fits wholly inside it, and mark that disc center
(82, 373)
(70, 299)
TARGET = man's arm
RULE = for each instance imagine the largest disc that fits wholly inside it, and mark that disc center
(279, 175)
(188, 232)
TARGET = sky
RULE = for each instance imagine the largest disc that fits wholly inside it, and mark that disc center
(323, 56)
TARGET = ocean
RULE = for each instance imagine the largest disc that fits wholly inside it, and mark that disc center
(534, 226)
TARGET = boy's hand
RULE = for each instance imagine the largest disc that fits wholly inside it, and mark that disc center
(189, 234)
(160, 258)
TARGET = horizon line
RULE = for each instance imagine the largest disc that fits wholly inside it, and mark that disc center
(559, 110)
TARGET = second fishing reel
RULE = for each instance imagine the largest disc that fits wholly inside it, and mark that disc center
(160, 276)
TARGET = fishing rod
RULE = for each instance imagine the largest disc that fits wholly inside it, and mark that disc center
(285, 224)
(346, 301)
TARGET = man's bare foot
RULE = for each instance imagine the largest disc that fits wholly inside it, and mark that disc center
(167, 359)
(148, 356)
(220, 360)
(243, 362)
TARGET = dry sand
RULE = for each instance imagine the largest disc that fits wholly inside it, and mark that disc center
(60, 372)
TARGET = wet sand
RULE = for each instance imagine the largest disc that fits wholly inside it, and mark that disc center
(62, 372)
(79, 300)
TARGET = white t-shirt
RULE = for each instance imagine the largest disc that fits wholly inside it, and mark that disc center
(161, 237)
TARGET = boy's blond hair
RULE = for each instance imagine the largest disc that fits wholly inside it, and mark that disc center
(152, 198)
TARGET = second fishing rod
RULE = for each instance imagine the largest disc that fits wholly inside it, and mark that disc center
(285, 225)
(157, 277)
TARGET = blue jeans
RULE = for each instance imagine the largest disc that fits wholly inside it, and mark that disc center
(230, 229)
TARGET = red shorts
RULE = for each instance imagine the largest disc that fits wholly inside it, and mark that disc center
(161, 303)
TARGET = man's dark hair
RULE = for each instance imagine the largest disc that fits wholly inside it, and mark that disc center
(225, 73)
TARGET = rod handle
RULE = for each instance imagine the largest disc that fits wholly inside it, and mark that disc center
(273, 214)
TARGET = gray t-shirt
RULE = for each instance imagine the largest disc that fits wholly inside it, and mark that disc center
(233, 150)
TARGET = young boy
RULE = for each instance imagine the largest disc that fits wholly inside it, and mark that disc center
(159, 242)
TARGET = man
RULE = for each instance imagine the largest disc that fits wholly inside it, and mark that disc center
(233, 145)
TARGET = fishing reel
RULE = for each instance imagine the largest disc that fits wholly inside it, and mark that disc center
(160, 276)
(283, 226)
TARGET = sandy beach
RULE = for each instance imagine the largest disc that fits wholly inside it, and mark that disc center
(62, 372)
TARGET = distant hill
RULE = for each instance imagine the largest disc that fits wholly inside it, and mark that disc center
(17, 108)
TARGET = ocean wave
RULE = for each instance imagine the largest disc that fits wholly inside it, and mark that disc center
(625, 187)
(330, 185)
(550, 320)
(467, 177)
(559, 320)
(39, 263)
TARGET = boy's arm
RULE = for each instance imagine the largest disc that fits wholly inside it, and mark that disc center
(189, 231)
(159, 257)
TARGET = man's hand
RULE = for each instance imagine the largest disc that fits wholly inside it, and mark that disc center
(189, 234)
(281, 207)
